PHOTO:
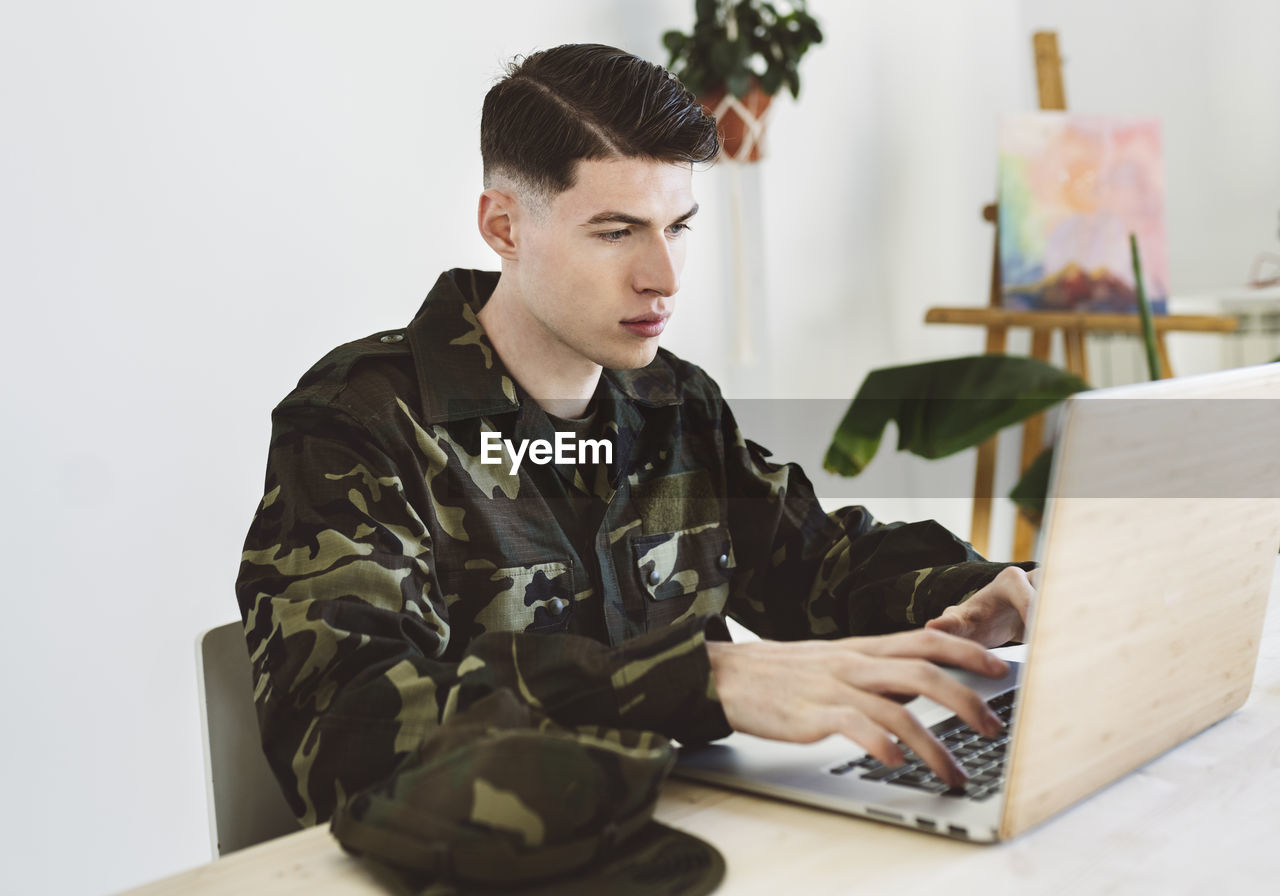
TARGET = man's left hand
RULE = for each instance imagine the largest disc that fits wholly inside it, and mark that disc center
(997, 612)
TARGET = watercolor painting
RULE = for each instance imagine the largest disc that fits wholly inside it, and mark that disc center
(1072, 189)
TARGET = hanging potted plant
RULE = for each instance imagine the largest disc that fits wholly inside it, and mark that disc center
(741, 53)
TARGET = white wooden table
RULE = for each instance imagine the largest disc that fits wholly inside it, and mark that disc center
(1203, 818)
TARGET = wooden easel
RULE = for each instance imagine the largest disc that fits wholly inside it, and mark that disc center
(1042, 324)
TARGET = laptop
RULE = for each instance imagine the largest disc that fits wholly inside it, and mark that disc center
(1158, 550)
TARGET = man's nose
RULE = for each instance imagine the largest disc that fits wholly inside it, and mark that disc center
(658, 270)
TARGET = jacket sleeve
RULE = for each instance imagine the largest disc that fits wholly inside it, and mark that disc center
(348, 629)
(829, 575)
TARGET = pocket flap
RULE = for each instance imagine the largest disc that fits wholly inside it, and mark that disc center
(676, 564)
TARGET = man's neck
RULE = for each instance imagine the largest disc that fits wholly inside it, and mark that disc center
(562, 386)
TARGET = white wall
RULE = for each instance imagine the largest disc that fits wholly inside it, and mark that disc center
(1211, 73)
(199, 199)
(873, 199)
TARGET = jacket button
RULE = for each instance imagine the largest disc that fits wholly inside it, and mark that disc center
(556, 605)
(655, 577)
(723, 561)
(392, 338)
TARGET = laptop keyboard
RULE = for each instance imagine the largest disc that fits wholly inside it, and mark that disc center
(982, 758)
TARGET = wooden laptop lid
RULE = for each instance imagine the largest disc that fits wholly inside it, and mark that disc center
(1158, 549)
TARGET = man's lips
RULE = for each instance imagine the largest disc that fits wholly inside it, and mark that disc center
(646, 325)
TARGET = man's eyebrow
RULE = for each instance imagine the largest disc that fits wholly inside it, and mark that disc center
(633, 221)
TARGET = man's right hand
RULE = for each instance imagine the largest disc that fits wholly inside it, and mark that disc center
(803, 691)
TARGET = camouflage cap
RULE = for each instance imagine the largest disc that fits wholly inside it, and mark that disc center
(503, 800)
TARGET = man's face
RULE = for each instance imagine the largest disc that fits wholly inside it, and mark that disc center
(599, 266)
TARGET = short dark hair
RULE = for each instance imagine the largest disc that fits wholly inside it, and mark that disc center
(588, 101)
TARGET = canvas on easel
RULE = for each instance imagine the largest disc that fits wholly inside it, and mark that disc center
(1072, 189)
(997, 318)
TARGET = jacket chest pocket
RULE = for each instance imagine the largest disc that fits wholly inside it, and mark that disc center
(683, 573)
(534, 597)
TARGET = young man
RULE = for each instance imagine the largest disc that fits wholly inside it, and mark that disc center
(520, 492)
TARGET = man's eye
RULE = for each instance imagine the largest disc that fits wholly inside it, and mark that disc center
(679, 229)
(614, 236)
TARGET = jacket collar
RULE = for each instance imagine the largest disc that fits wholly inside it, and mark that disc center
(460, 375)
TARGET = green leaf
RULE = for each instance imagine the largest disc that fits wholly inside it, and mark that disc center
(942, 407)
(1144, 311)
(674, 40)
(705, 10)
(792, 77)
(808, 26)
(771, 80)
(696, 79)
(1032, 489)
(724, 56)
(738, 83)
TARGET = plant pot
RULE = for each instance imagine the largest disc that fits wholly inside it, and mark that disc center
(741, 122)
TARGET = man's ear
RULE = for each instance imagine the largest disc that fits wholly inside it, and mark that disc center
(496, 220)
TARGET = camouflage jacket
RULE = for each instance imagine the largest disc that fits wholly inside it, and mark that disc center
(392, 578)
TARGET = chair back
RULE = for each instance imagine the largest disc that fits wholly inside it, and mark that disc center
(246, 805)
